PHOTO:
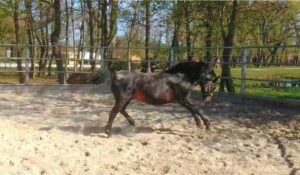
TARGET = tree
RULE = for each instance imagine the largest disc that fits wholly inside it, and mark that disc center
(188, 30)
(91, 33)
(129, 18)
(266, 24)
(227, 43)
(67, 32)
(17, 39)
(54, 42)
(73, 33)
(82, 35)
(192, 24)
(30, 35)
(177, 13)
(42, 36)
(209, 31)
(108, 28)
(147, 36)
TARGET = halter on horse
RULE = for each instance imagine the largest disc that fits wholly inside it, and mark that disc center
(207, 92)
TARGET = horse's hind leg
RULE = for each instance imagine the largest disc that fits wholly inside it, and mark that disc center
(112, 115)
(126, 115)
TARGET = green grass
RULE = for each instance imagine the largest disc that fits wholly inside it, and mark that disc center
(289, 93)
(268, 73)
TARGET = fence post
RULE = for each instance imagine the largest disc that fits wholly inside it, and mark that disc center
(243, 76)
(27, 71)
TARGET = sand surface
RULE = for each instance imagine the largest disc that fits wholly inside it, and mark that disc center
(62, 133)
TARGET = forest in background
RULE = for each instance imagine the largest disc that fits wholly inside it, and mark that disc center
(150, 24)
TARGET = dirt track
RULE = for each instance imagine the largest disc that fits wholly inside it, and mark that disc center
(46, 133)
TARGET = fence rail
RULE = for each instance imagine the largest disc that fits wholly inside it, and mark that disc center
(244, 60)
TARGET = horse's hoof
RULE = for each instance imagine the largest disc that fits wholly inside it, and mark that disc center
(207, 128)
(108, 134)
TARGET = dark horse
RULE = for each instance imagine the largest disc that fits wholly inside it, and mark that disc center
(171, 86)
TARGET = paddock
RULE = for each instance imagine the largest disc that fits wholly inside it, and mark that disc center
(60, 130)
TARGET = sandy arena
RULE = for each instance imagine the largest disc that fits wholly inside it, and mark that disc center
(62, 132)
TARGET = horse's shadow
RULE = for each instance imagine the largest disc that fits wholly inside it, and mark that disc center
(127, 131)
(78, 129)
(232, 112)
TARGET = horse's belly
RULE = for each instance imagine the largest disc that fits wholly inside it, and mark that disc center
(138, 95)
(155, 99)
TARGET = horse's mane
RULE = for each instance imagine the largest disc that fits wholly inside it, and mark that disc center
(191, 70)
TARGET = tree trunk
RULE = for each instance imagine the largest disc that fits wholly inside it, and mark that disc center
(41, 72)
(132, 24)
(17, 37)
(188, 30)
(43, 41)
(91, 34)
(67, 36)
(80, 53)
(113, 21)
(73, 34)
(274, 52)
(228, 43)
(147, 39)
(54, 42)
(226, 72)
(99, 14)
(158, 44)
(177, 11)
(47, 50)
(112, 24)
(174, 44)
(104, 31)
(30, 36)
(209, 28)
(45, 56)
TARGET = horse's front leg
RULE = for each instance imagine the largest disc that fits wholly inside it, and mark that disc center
(195, 112)
(205, 120)
(112, 115)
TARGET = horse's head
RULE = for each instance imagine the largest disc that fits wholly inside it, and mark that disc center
(198, 73)
(207, 85)
(102, 76)
(96, 79)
